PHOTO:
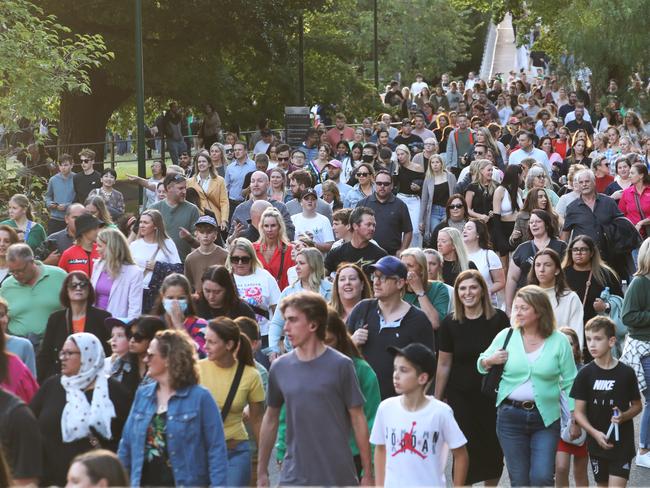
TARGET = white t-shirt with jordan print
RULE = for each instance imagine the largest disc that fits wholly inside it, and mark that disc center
(417, 443)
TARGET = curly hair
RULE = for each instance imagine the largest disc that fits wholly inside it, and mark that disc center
(179, 350)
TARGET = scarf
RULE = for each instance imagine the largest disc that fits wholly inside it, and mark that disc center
(78, 415)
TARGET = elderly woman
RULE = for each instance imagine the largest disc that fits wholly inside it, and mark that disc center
(174, 434)
(77, 296)
(79, 410)
(117, 280)
(536, 179)
(538, 368)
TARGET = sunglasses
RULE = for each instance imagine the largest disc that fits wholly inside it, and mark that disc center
(240, 259)
(283, 159)
(137, 337)
(79, 285)
(383, 183)
(456, 206)
(363, 174)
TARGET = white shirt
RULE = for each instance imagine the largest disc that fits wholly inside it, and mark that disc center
(485, 261)
(417, 86)
(260, 147)
(143, 251)
(432, 429)
(572, 116)
(259, 289)
(318, 226)
(516, 157)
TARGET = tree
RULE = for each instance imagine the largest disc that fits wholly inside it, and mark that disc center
(39, 59)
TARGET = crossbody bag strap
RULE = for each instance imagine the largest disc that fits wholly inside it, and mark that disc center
(508, 336)
(584, 298)
(233, 390)
(637, 200)
(153, 256)
(283, 250)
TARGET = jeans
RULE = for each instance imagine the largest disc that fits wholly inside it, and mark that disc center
(175, 149)
(437, 215)
(239, 465)
(529, 447)
(644, 435)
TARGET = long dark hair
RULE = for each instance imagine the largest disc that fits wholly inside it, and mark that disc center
(511, 183)
(175, 279)
(221, 276)
(337, 328)
(561, 287)
(228, 330)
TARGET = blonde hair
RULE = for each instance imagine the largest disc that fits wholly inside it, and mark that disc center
(102, 210)
(430, 173)
(22, 201)
(272, 212)
(117, 252)
(314, 260)
(421, 260)
(458, 312)
(481, 164)
(245, 245)
(644, 259)
(436, 254)
(462, 260)
(159, 224)
(537, 298)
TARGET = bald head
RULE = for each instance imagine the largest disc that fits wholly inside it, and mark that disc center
(257, 209)
(259, 185)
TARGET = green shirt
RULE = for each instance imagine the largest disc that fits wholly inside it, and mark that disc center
(636, 308)
(552, 371)
(31, 306)
(437, 295)
(36, 233)
(183, 215)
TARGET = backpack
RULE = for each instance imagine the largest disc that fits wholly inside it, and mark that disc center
(615, 312)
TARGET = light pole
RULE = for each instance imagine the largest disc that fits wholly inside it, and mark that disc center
(375, 43)
(301, 61)
(139, 95)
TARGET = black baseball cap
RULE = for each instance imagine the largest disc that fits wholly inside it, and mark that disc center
(419, 355)
(86, 222)
(309, 192)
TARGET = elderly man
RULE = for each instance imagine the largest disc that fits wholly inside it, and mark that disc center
(32, 292)
(258, 191)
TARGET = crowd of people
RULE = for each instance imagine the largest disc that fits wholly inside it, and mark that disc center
(459, 275)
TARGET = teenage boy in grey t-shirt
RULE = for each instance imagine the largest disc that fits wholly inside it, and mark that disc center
(323, 400)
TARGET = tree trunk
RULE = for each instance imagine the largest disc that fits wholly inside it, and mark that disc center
(83, 118)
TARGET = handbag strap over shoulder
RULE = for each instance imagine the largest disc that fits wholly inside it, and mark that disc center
(233, 390)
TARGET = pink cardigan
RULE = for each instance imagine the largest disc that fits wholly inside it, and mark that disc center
(125, 299)
(20, 380)
(628, 205)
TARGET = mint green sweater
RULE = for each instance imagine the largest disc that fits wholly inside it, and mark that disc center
(552, 371)
(636, 308)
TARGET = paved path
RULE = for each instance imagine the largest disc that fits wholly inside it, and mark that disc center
(505, 54)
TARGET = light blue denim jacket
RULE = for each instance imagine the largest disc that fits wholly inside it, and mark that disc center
(277, 321)
(195, 440)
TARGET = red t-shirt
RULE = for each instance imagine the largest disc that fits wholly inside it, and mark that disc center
(76, 258)
(603, 182)
(273, 266)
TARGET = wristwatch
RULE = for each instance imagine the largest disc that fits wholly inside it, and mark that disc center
(421, 294)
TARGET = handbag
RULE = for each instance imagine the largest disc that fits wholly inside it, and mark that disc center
(233, 391)
(637, 201)
(490, 383)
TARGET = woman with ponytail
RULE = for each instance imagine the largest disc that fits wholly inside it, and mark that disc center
(230, 374)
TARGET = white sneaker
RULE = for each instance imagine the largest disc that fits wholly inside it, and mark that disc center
(643, 460)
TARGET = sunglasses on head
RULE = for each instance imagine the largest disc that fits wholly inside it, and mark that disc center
(240, 259)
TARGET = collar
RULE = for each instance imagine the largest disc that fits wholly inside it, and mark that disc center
(373, 198)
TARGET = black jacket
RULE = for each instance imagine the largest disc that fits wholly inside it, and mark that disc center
(59, 327)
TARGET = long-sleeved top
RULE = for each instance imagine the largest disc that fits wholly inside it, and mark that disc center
(552, 371)
(214, 198)
(243, 213)
(636, 308)
(568, 311)
(59, 190)
(235, 174)
(125, 299)
(196, 445)
(628, 206)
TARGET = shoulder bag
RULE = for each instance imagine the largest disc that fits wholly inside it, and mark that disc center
(490, 384)
(233, 391)
(637, 201)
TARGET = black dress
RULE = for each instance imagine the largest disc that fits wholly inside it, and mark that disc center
(474, 412)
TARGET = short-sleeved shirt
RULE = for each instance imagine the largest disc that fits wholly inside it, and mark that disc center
(482, 199)
(603, 389)
(393, 220)
(486, 260)
(417, 443)
(317, 398)
(525, 253)
(580, 219)
(260, 291)
(318, 227)
(218, 381)
(347, 253)
(76, 258)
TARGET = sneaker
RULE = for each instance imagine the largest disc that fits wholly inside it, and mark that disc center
(643, 460)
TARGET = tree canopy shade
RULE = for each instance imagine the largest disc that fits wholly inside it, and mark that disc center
(611, 38)
(39, 59)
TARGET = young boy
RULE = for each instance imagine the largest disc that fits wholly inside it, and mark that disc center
(607, 398)
(311, 223)
(207, 254)
(412, 432)
(60, 194)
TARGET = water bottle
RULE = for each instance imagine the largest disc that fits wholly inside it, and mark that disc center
(624, 286)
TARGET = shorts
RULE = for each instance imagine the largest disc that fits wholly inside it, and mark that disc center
(604, 468)
(572, 449)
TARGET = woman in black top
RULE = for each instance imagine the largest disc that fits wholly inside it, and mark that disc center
(454, 254)
(472, 326)
(410, 178)
(80, 409)
(219, 297)
(78, 315)
(588, 276)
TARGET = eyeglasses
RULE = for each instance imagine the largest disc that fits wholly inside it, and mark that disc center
(540, 176)
(580, 250)
(456, 206)
(240, 259)
(67, 354)
(77, 285)
(283, 159)
(363, 174)
(382, 278)
(383, 183)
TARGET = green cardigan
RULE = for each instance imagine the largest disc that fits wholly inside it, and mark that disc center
(36, 234)
(553, 370)
(636, 308)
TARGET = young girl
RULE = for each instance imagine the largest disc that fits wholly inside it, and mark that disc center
(564, 449)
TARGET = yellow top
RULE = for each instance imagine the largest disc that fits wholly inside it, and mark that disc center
(218, 381)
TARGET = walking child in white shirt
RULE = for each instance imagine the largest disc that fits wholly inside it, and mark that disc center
(313, 224)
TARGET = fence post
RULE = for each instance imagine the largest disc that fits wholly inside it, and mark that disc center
(113, 152)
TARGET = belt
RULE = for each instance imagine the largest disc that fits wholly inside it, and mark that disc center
(526, 405)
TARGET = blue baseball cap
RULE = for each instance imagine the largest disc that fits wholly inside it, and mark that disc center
(389, 266)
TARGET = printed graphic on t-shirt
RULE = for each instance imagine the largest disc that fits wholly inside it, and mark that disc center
(413, 442)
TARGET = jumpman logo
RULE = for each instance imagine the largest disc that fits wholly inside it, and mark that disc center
(407, 444)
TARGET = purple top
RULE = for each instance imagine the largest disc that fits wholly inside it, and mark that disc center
(103, 290)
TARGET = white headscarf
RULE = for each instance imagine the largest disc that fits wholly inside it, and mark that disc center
(78, 415)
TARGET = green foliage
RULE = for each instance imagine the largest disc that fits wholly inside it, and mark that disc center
(39, 59)
(13, 181)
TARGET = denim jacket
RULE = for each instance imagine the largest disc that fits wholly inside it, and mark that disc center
(195, 440)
